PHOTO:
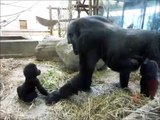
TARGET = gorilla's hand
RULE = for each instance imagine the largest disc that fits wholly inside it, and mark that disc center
(64, 92)
(53, 98)
(135, 63)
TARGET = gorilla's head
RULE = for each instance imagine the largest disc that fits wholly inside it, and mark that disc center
(83, 35)
(88, 33)
(31, 71)
(73, 34)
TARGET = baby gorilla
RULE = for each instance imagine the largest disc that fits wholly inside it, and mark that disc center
(149, 79)
(27, 91)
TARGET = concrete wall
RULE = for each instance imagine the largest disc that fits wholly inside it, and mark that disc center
(25, 33)
(17, 48)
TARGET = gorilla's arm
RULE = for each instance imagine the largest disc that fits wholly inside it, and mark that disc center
(41, 88)
(87, 64)
(82, 81)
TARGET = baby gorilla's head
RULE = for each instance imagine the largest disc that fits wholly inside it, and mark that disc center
(31, 71)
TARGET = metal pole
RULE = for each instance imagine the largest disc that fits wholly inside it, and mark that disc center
(90, 7)
(144, 12)
(70, 8)
(108, 4)
(59, 25)
(124, 5)
(50, 17)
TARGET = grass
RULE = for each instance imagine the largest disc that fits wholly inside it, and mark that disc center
(113, 105)
(85, 106)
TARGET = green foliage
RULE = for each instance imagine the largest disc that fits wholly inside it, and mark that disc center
(54, 78)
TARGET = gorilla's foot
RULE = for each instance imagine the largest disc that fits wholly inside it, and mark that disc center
(86, 89)
(127, 89)
(53, 98)
(117, 85)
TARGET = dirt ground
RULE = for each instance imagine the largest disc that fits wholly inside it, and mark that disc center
(13, 109)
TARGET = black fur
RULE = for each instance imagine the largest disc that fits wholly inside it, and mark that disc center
(95, 38)
(149, 79)
(27, 91)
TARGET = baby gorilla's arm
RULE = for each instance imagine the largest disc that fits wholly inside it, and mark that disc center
(41, 88)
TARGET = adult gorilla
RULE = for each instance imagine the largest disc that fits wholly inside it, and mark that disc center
(95, 38)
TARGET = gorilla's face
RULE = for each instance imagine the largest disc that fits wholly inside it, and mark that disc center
(73, 37)
(38, 72)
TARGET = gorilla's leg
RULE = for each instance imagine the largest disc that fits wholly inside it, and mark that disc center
(30, 97)
(26, 97)
(124, 67)
(129, 65)
(80, 82)
(149, 80)
(124, 79)
(19, 91)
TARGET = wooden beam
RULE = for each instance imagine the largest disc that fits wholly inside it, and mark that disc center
(55, 8)
(87, 6)
(90, 7)
(50, 17)
(70, 8)
(59, 25)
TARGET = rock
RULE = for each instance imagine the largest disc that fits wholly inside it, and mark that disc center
(71, 61)
(45, 50)
(66, 54)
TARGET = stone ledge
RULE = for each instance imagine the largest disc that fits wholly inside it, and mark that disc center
(17, 48)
